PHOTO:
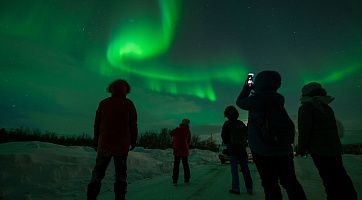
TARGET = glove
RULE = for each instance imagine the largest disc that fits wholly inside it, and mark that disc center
(301, 153)
(132, 147)
(95, 145)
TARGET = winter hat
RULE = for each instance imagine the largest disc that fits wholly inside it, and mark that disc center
(313, 89)
(267, 81)
(185, 121)
(231, 113)
(119, 87)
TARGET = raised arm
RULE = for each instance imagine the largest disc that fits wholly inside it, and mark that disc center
(243, 101)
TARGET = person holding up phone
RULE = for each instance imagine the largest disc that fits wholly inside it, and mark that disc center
(250, 79)
(274, 163)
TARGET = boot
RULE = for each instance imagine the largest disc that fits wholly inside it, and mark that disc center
(93, 190)
(120, 190)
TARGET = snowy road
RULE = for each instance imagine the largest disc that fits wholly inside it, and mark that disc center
(214, 181)
(207, 182)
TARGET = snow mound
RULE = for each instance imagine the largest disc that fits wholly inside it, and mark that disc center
(37, 170)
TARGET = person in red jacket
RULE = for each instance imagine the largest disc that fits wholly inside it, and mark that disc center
(115, 134)
(181, 141)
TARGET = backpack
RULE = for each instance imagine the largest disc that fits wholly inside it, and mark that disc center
(277, 127)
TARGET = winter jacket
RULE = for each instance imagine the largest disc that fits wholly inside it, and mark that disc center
(115, 126)
(317, 127)
(181, 140)
(256, 105)
(234, 135)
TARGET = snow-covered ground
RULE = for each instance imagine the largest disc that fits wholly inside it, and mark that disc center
(37, 170)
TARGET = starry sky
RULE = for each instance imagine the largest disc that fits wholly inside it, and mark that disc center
(182, 58)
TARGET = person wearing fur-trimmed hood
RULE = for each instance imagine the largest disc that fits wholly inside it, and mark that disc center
(318, 136)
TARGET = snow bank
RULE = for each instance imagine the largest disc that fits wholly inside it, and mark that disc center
(37, 170)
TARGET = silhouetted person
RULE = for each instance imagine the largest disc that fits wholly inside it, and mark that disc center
(181, 141)
(318, 136)
(274, 162)
(115, 134)
(234, 135)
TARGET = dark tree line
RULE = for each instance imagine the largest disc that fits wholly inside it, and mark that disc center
(149, 139)
(163, 140)
(25, 134)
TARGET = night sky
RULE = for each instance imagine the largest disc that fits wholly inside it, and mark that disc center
(182, 58)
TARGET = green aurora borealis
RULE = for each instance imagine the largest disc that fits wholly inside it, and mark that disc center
(182, 58)
(143, 39)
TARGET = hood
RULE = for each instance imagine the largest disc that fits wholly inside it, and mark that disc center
(118, 95)
(267, 81)
(271, 97)
(184, 126)
(317, 99)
